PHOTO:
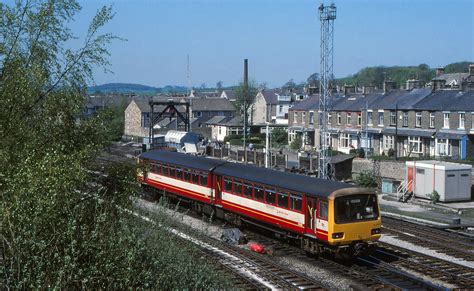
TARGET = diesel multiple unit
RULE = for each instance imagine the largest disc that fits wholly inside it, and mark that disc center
(322, 215)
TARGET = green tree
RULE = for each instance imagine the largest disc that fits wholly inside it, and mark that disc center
(367, 179)
(244, 98)
(279, 136)
(61, 225)
(297, 143)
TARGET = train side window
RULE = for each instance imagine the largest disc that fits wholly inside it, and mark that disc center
(165, 170)
(238, 188)
(270, 196)
(158, 168)
(248, 190)
(323, 210)
(296, 202)
(195, 177)
(172, 172)
(179, 173)
(258, 193)
(203, 179)
(187, 175)
(228, 184)
(283, 199)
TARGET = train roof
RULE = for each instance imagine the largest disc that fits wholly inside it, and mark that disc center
(299, 183)
(198, 163)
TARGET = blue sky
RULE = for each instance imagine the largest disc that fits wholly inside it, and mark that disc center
(279, 37)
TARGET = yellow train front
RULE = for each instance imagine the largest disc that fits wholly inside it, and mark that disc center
(353, 222)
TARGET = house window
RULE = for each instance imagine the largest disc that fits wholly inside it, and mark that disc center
(311, 117)
(393, 118)
(432, 120)
(329, 118)
(380, 118)
(339, 118)
(220, 132)
(414, 144)
(443, 148)
(348, 118)
(359, 119)
(388, 142)
(344, 140)
(197, 114)
(462, 118)
(280, 108)
(418, 119)
(145, 122)
(369, 118)
(303, 117)
(405, 118)
(295, 117)
(446, 120)
(209, 114)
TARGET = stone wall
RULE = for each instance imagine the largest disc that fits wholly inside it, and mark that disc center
(386, 169)
(133, 128)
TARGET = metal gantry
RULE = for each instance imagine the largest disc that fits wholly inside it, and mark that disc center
(327, 15)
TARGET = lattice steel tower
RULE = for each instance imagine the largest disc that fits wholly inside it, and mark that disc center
(327, 14)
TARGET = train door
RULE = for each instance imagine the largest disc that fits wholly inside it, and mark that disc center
(217, 189)
(311, 214)
(322, 219)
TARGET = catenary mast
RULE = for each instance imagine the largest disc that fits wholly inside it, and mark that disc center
(327, 15)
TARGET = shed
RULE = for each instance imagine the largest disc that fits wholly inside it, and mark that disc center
(181, 140)
(452, 181)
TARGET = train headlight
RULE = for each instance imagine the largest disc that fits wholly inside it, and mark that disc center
(337, 235)
(375, 231)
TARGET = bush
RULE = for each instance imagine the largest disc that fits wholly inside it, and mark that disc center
(296, 143)
(391, 152)
(361, 153)
(434, 196)
(367, 179)
(231, 137)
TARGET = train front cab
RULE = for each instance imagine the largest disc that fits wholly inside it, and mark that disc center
(354, 221)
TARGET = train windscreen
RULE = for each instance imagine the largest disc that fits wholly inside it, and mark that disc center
(356, 208)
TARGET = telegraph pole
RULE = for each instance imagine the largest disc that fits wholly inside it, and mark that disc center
(267, 146)
(327, 15)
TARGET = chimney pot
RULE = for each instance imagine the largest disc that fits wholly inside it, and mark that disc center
(471, 71)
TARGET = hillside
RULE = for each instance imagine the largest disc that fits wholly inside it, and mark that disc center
(127, 88)
(399, 74)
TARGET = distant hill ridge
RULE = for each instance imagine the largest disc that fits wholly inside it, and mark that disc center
(134, 88)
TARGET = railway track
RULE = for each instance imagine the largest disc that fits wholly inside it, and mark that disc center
(369, 272)
(241, 261)
(457, 275)
(448, 243)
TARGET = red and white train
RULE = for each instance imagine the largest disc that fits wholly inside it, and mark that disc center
(323, 215)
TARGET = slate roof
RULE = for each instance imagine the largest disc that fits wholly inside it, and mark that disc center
(230, 94)
(310, 103)
(453, 78)
(406, 100)
(216, 120)
(438, 100)
(234, 121)
(463, 102)
(211, 104)
(270, 96)
(355, 102)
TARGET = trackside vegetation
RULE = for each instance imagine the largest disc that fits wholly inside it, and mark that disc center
(62, 225)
